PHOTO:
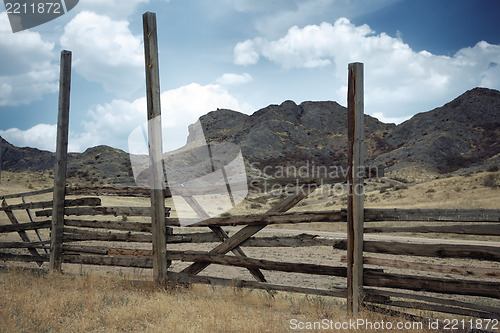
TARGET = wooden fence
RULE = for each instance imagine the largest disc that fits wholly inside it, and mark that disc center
(116, 240)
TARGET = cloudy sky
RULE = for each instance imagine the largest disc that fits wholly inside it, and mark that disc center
(242, 55)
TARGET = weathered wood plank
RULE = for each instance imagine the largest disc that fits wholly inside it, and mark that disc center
(443, 309)
(26, 194)
(72, 234)
(25, 226)
(485, 252)
(434, 299)
(47, 204)
(112, 251)
(110, 191)
(437, 285)
(302, 240)
(121, 261)
(116, 225)
(187, 278)
(246, 262)
(451, 215)
(430, 215)
(274, 218)
(446, 269)
(465, 229)
(22, 245)
(92, 211)
(68, 249)
(370, 215)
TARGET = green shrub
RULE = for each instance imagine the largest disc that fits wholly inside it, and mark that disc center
(255, 205)
(490, 181)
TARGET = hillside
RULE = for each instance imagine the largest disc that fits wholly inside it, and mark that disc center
(97, 164)
(464, 133)
(460, 136)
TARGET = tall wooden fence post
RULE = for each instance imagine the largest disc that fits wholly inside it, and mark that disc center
(56, 236)
(355, 204)
(157, 180)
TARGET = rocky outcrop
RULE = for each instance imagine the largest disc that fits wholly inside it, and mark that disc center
(291, 134)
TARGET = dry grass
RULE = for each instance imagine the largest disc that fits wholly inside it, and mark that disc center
(39, 301)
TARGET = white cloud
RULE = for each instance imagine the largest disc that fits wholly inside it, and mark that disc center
(183, 106)
(111, 123)
(105, 51)
(398, 80)
(28, 68)
(115, 9)
(245, 53)
(232, 79)
(41, 136)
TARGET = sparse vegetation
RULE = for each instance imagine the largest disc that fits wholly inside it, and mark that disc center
(400, 187)
(491, 181)
(493, 168)
(255, 205)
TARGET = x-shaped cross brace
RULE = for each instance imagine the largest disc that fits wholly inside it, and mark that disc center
(232, 243)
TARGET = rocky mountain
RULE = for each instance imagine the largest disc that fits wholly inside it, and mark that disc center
(464, 133)
(291, 134)
(460, 136)
(24, 159)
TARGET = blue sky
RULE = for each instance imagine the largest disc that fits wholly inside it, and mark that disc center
(242, 55)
